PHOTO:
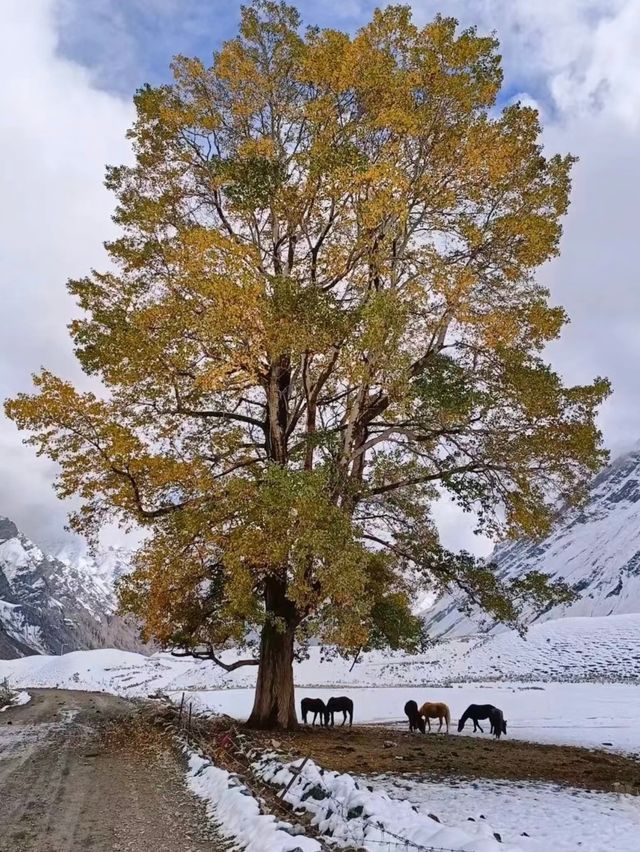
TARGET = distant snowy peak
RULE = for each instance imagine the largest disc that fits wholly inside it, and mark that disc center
(595, 548)
(105, 566)
(54, 603)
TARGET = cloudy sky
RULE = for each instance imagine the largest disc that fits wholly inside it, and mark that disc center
(68, 69)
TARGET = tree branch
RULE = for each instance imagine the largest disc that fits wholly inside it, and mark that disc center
(210, 654)
(431, 477)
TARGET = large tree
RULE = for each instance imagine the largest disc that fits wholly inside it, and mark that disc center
(321, 313)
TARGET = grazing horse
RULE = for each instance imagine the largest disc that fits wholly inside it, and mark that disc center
(436, 710)
(315, 706)
(475, 712)
(336, 705)
(498, 724)
(416, 721)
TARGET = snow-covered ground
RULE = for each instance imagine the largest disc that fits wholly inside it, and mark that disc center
(478, 816)
(18, 700)
(356, 816)
(579, 713)
(237, 813)
(565, 650)
(555, 818)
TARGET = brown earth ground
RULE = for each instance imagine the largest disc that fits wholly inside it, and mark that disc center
(87, 772)
(368, 750)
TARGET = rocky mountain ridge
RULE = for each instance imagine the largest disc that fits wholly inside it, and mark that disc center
(53, 604)
(595, 548)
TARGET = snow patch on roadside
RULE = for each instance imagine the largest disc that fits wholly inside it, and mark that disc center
(356, 815)
(17, 701)
(237, 813)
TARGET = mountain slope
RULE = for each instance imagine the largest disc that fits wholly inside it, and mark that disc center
(595, 548)
(49, 605)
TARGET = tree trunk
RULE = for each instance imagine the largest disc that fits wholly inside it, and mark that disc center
(274, 703)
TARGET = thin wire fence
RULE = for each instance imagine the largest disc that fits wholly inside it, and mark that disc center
(228, 748)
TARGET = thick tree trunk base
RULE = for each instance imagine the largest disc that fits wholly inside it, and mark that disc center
(274, 704)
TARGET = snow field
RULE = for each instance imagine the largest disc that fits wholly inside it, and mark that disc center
(566, 650)
(556, 819)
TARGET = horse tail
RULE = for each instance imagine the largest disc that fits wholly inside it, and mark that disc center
(447, 714)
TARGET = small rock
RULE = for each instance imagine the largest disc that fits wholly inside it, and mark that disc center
(433, 816)
(389, 744)
(497, 836)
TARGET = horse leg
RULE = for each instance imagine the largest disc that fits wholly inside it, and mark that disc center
(344, 717)
(429, 724)
(481, 729)
(440, 725)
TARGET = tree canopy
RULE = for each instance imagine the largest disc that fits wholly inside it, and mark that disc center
(322, 311)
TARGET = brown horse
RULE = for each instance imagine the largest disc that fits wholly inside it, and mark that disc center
(436, 710)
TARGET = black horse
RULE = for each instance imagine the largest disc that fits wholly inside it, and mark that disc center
(315, 706)
(475, 712)
(498, 724)
(337, 705)
(416, 721)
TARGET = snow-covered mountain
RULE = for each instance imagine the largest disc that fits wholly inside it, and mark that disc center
(50, 604)
(595, 548)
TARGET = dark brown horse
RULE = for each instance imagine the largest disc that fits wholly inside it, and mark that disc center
(337, 705)
(416, 721)
(484, 711)
(498, 724)
(315, 706)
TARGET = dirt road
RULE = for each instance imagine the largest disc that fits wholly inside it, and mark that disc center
(66, 787)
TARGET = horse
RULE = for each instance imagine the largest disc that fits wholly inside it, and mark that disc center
(315, 706)
(337, 705)
(498, 723)
(475, 712)
(436, 710)
(416, 721)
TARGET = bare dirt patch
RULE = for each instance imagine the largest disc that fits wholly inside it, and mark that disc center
(369, 750)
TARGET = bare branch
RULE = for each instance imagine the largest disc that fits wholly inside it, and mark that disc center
(210, 654)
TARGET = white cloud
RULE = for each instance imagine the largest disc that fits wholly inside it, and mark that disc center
(577, 58)
(56, 134)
